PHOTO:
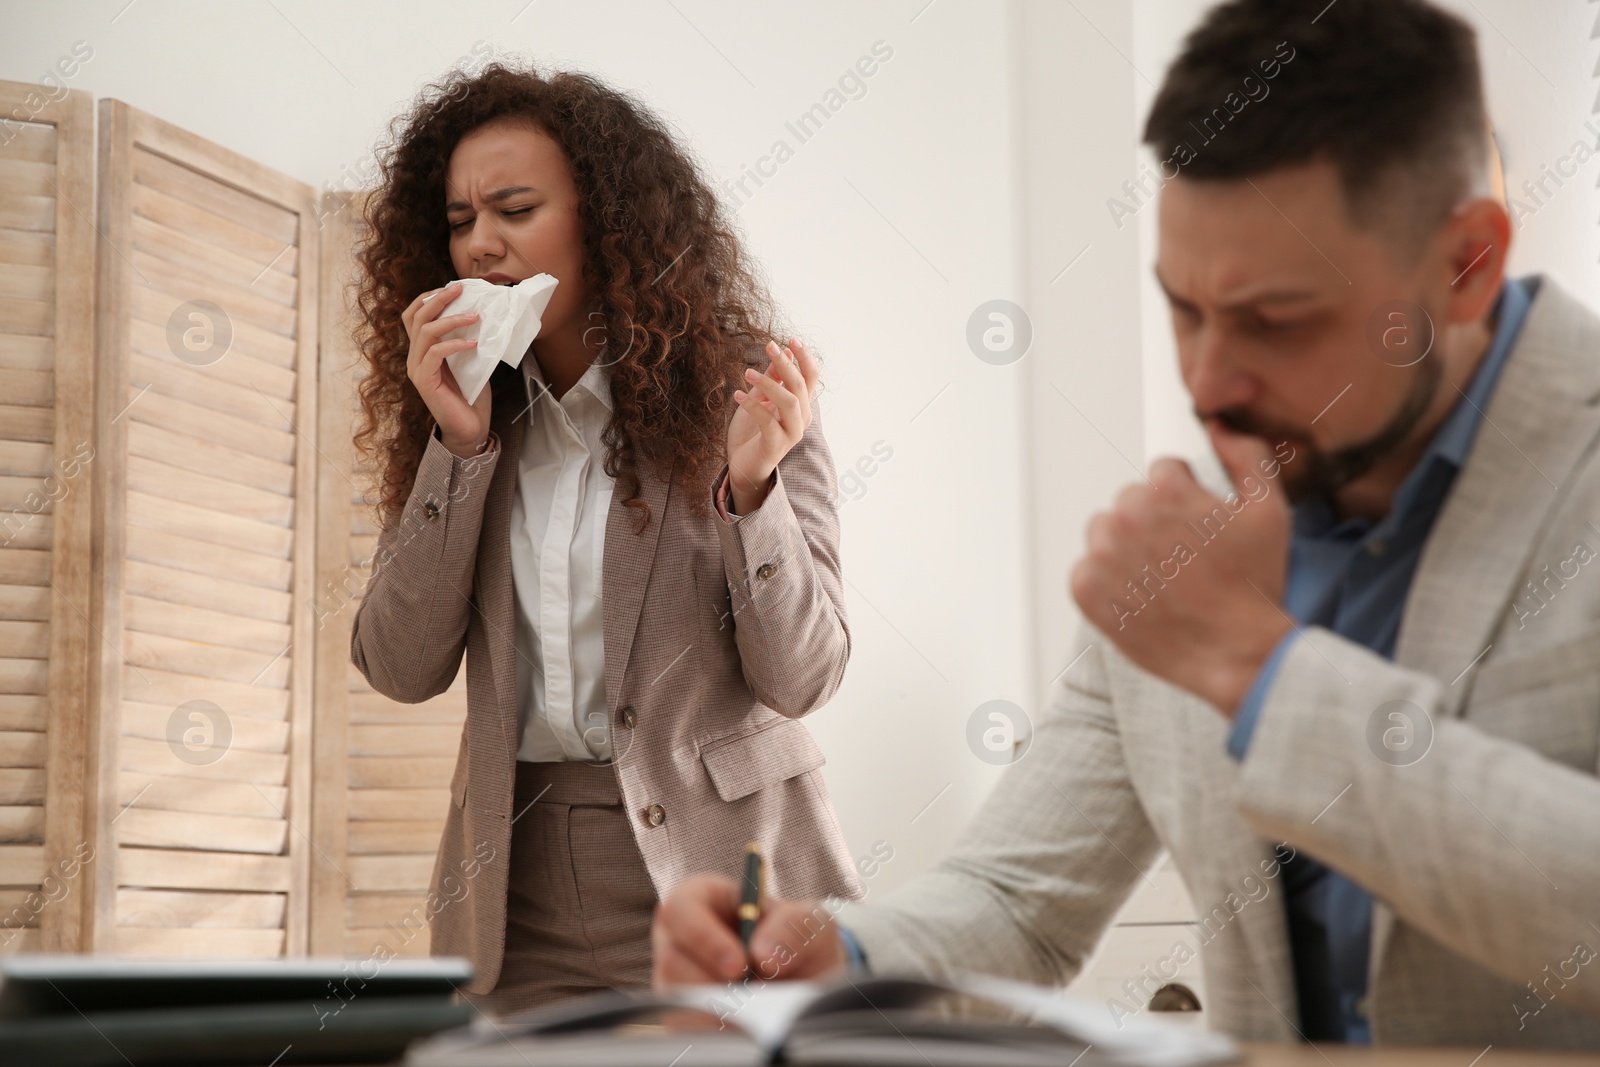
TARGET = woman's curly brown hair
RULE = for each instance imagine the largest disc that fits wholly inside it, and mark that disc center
(677, 291)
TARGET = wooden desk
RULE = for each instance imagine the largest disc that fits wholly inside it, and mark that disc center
(1268, 1055)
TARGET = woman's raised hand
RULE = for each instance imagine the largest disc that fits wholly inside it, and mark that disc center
(463, 426)
(774, 411)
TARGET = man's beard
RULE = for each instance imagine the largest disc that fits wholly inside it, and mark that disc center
(1312, 473)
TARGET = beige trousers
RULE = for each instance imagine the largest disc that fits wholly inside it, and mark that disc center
(579, 899)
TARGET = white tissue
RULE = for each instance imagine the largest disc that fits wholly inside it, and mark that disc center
(508, 321)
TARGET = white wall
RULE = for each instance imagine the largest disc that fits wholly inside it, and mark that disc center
(1083, 409)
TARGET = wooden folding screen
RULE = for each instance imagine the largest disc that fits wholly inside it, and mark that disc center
(189, 764)
(200, 756)
(46, 454)
(383, 768)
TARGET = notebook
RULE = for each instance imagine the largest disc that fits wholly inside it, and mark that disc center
(89, 1011)
(970, 1019)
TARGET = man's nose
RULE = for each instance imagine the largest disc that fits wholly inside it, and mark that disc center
(1215, 380)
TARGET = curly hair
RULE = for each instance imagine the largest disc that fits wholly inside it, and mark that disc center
(677, 291)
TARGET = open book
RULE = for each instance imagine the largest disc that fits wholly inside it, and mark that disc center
(969, 1020)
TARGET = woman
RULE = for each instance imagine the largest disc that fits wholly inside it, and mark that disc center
(633, 535)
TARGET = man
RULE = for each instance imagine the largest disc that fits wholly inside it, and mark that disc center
(1369, 681)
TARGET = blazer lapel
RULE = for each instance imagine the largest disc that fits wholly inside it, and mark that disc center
(629, 558)
(497, 598)
(1540, 420)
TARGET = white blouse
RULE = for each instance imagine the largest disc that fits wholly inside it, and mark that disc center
(558, 532)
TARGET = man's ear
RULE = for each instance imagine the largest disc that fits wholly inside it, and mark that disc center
(1478, 239)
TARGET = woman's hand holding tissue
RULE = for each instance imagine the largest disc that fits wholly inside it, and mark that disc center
(463, 426)
(774, 411)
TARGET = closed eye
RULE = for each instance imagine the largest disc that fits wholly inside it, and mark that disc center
(518, 211)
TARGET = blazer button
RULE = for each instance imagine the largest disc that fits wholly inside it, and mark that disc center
(431, 510)
(629, 719)
(766, 570)
(655, 815)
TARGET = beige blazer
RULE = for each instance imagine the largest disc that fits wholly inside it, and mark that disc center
(1483, 855)
(718, 638)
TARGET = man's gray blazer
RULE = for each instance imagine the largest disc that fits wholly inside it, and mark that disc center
(1483, 855)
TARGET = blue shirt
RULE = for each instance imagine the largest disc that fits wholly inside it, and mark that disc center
(1353, 578)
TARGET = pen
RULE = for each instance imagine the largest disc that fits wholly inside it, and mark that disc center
(750, 897)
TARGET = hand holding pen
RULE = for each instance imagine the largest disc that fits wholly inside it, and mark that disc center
(717, 929)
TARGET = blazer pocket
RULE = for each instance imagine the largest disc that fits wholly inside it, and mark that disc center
(740, 765)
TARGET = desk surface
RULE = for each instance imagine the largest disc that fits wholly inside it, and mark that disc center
(1267, 1055)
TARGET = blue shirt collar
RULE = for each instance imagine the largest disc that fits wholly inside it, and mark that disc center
(1447, 452)
(1455, 437)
